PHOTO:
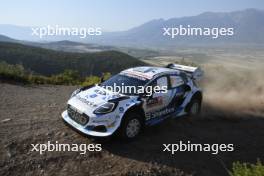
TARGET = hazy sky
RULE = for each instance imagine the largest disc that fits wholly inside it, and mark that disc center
(110, 15)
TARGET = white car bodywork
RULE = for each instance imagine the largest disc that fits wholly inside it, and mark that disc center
(81, 115)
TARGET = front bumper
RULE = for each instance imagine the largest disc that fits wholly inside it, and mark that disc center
(85, 129)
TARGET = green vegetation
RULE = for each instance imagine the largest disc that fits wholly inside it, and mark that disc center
(43, 66)
(12, 72)
(68, 77)
(90, 80)
(49, 62)
(245, 169)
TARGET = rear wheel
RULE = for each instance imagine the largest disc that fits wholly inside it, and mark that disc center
(131, 126)
(194, 107)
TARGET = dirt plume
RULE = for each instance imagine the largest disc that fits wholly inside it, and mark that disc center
(233, 89)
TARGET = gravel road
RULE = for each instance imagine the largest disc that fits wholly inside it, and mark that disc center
(31, 115)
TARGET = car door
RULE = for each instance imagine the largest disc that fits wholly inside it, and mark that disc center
(177, 88)
(158, 101)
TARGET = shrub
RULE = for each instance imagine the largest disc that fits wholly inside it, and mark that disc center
(245, 169)
(68, 77)
(38, 79)
(12, 72)
(90, 80)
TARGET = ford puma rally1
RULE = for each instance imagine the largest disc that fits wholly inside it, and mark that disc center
(99, 111)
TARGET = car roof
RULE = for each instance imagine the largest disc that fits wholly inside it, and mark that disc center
(149, 72)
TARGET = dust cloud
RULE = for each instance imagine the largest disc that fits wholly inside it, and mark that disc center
(233, 89)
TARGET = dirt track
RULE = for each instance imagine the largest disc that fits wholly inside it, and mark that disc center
(34, 113)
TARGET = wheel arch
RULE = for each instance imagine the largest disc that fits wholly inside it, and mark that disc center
(198, 95)
(136, 108)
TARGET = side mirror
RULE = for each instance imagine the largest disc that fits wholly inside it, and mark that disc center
(143, 95)
(102, 79)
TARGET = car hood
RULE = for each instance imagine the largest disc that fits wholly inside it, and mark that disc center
(95, 97)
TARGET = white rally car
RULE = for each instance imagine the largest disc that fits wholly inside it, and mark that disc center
(98, 111)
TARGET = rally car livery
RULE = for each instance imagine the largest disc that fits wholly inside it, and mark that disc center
(100, 111)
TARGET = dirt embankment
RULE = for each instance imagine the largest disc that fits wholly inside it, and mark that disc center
(233, 113)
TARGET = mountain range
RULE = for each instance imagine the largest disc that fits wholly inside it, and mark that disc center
(248, 28)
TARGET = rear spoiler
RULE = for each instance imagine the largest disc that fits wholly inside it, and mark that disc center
(195, 73)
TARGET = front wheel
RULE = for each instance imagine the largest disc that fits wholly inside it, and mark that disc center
(131, 126)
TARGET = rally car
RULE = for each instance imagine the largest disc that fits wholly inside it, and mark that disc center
(99, 111)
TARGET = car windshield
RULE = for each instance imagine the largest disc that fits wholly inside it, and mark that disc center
(124, 84)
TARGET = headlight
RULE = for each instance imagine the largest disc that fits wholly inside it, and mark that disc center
(106, 108)
(75, 92)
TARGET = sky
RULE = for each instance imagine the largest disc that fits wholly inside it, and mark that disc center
(110, 15)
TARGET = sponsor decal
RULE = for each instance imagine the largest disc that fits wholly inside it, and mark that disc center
(101, 92)
(86, 101)
(121, 109)
(100, 121)
(93, 96)
(138, 74)
(159, 113)
(154, 102)
(134, 76)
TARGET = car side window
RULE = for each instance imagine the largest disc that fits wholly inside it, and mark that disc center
(162, 82)
(176, 81)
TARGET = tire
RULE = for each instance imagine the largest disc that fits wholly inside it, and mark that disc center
(131, 126)
(194, 108)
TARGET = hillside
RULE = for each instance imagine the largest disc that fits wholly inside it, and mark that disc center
(48, 62)
(70, 46)
(6, 39)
